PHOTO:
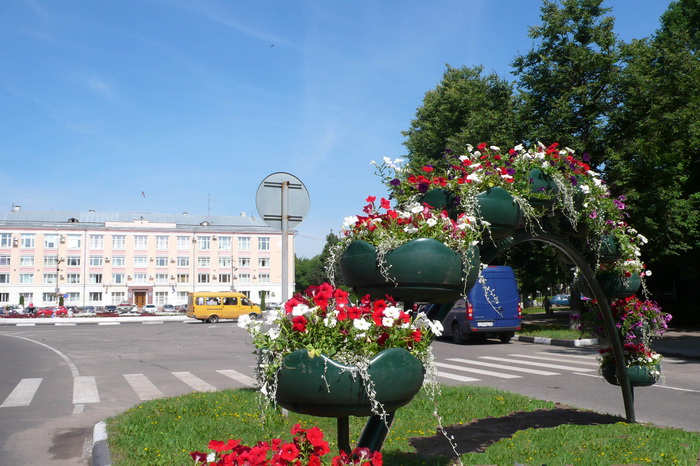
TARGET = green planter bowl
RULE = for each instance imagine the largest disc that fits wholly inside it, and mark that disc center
(608, 252)
(545, 187)
(499, 209)
(639, 376)
(320, 386)
(441, 199)
(615, 286)
(424, 270)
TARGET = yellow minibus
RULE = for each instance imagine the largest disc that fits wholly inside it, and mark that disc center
(211, 306)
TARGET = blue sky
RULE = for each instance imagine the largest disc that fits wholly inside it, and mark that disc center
(196, 102)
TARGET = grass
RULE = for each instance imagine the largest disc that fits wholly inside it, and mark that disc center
(556, 326)
(165, 431)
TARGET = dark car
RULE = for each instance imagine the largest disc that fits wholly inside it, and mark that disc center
(111, 309)
(58, 311)
(561, 300)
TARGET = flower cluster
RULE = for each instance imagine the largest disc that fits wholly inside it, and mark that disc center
(633, 318)
(307, 448)
(387, 228)
(636, 354)
(324, 321)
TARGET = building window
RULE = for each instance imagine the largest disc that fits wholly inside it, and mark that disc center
(95, 296)
(28, 297)
(162, 278)
(118, 261)
(140, 242)
(5, 260)
(183, 278)
(140, 261)
(75, 241)
(244, 278)
(96, 261)
(117, 278)
(5, 240)
(27, 240)
(244, 243)
(224, 243)
(4, 278)
(50, 241)
(203, 278)
(183, 243)
(48, 297)
(118, 241)
(5, 297)
(264, 262)
(161, 297)
(140, 278)
(73, 278)
(264, 278)
(73, 297)
(203, 243)
(118, 297)
(244, 262)
(26, 278)
(224, 278)
(73, 261)
(264, 243)
(225, 262)
(161, 242)
(26, 260)
(203, 262)
(183, 261)
(49, 278)
(95, 278)
(162, 261)
(50, 261)
(97, 241)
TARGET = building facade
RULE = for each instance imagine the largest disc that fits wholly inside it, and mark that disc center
(97, 259)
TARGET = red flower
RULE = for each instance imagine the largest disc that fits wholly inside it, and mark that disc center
(481, 146)
(299, 323)
(385, 203)
(371, 198)
(428, 168)
(354, 312)
(219, 446)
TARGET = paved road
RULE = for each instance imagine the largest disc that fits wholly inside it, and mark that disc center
(57, 382)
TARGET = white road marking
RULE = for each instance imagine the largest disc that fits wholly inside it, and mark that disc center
(461, 378)
(238, 377)
(589, 362)
(85, 390)
(538, 364)
(477, 371)
(23, 393)
(143, 387)
(194, 382)
(503, 366)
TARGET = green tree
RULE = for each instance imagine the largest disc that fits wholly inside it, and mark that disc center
(655, 140)
(567, 80)
(465, 107)
(313, 271)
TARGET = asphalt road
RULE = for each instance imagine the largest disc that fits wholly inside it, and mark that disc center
(57, 382)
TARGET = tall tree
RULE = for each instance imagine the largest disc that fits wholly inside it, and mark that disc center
(566, 81)
(655, 139)
(465, 107)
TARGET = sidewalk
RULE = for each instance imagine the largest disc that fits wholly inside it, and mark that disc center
(677, 342)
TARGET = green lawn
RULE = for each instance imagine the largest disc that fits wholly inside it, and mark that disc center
(165, 431)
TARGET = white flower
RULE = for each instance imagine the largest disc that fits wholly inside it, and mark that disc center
(431, 222)
(300, 310)
(585, 189)
(495, 148)
(361, 324)
(436, 327)
(387, 321)
(415, 208)
(474, 177)
(244, 321)
(519, 147)
(273, 333)
(643, 239)
(330, 321)
(393, 312)
(350, 221)
(410, 229)
(211, 457)
(647, 273)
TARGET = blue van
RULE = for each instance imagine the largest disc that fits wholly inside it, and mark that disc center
(493, 311)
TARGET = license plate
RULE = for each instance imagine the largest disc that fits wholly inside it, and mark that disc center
(484, 324)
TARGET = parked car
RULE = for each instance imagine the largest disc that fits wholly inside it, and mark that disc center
(149, 309)
(561, 300)
(111, 309)
(491, 311)
(58, 311)
(89, 310)
(124, 308)
(169, 308)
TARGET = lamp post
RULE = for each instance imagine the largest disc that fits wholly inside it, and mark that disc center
(58, 271)
(233, 271)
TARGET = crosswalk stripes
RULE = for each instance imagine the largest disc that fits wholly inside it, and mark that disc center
(471, 370)
(195, 382)
(526, 370)
(23, 393)
(238, 377)
(143, 387)
(85, 390)
(540, 364)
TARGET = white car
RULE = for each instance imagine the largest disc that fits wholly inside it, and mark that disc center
(149, 309)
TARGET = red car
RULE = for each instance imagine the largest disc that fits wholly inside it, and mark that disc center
(60, 311)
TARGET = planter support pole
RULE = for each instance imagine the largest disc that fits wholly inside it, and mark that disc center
(489, 252)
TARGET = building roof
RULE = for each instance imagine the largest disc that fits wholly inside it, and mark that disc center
(94, 219)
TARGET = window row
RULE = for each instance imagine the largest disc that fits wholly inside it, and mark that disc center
(139, 261)
(96, 241)
(142, 278)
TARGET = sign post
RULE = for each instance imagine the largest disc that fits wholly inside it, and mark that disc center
(283, 202)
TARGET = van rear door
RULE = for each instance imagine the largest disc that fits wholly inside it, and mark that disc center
(497, 304)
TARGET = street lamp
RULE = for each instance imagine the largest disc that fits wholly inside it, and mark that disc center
(58, 271)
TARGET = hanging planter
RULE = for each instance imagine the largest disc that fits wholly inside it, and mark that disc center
(639, 376)
(544, 188)
(422, 269)
(320, 386)
(617, 286)
(608, 251)
(441, 199)
(499, 209)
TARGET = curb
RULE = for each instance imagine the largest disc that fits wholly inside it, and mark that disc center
(554, 341)
(100, 446)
